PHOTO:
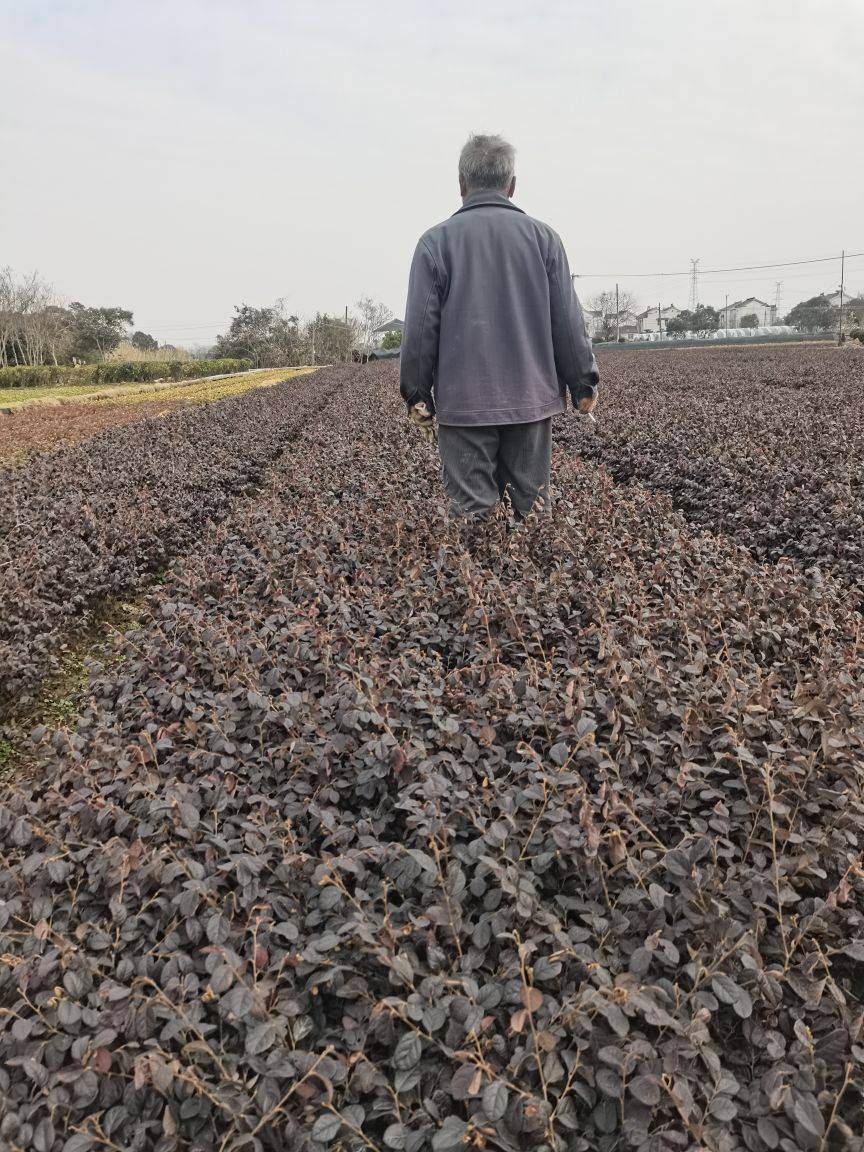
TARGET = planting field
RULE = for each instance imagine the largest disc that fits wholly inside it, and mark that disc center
(374, 835)
(762, 444)
(74, 414)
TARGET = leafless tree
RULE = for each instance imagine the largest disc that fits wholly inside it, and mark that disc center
(7, 314)
(56, 332)
(44, 323)
(370, 316)
(602, 304)
(33, 325)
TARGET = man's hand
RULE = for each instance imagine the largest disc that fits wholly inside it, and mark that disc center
(422, 417)
(420, 413)
(587, 405)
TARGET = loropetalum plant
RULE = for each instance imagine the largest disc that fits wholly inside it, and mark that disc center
(41, 428)
(763, 444)
(88, 522)
(372, 837)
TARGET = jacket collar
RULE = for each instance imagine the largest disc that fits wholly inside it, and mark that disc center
(487, 198)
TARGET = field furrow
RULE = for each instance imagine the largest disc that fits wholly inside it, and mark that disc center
(89, 522)
(764, 445)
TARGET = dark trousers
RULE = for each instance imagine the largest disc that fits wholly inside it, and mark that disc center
(481, 463)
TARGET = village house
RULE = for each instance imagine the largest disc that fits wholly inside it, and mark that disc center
(651, 321)
(628, 324)
(853, 307)
(732, 315)
(833, 298)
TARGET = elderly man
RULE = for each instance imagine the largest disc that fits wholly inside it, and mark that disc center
(494, 339)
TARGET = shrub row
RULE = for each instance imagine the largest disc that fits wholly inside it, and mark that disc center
(763, 445)
(86, 522)
(142, 370)
(370, 841)
(46, 376)
(50, 375)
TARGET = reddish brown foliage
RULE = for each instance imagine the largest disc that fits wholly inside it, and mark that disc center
(39, 428)
(374, 842)
(764, 444)
(86, 522)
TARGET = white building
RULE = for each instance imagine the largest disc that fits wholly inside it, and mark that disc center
(853, 307)
(628, 324)
(833, 298)
(732, 315)
(652, 321)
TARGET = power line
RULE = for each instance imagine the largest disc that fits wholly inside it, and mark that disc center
(815, 274)
(188, 327)
(706, 271)
(175, 326)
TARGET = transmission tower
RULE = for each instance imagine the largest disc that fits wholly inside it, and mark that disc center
(778, 294)
(694, 284)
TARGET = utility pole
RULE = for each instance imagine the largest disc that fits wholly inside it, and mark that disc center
(313, 341)
(842, 285)
(659, 319)
(778, 292)
(726, 312)
(617, 317)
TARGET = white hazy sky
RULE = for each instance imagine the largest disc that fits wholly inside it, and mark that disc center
(178, 157)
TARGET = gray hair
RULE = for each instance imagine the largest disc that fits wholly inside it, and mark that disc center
(487, 162)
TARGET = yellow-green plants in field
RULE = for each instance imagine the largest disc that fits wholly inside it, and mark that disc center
(206, 391)
(59, 392)
(194, 390)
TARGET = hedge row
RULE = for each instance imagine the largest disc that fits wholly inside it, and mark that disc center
(141, 371)
(84, 524)
(46, 376)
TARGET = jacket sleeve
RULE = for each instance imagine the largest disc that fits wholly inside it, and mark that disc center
(574, 358)
(419, 357)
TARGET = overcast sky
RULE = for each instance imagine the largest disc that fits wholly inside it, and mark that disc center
(178, 157)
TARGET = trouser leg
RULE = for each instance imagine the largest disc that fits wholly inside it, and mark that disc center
(469, 467)
(524, 464)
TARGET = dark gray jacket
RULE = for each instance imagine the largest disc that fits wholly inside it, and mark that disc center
(492, 325)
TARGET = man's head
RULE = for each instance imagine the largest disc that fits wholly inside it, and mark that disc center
(487, 163)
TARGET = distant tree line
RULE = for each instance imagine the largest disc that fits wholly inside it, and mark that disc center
(36, 328)
(702, 318)
(273, 337)
(818, 314)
